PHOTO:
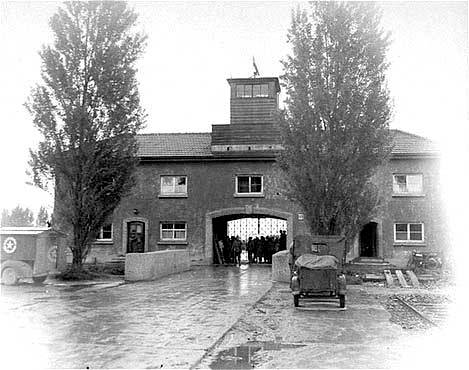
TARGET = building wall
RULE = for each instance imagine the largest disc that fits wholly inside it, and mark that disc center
(428, 209)
(211, 188)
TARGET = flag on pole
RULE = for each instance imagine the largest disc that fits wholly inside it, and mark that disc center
(256, 71)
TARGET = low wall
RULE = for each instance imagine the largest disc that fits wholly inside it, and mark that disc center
(280, 267)
(153, 265)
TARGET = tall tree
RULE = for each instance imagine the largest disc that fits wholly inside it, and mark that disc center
(17, 217)
(42, 217)
(88, 111)
(336, 122)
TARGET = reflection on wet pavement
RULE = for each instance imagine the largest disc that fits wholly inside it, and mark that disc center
(244, 357)
(170, 322)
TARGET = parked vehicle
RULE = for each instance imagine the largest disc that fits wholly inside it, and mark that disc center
(315, 272)
(30, 252)
(424, 261)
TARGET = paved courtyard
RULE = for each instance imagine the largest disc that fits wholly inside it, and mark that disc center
(196, 319)
(170, 322)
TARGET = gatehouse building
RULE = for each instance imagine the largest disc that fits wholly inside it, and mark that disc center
(196, 188)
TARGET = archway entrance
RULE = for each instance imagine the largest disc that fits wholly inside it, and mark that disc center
(369, 240)
(245, 222)
(255, 237)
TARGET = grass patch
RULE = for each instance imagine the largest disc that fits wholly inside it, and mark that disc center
(92, 271)
(107, 268)
(75, 275)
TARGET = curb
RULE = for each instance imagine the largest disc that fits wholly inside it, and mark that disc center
(101, 286)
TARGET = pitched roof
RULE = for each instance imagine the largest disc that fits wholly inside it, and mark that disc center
(198, 145)
(175, 145)
(406, 143)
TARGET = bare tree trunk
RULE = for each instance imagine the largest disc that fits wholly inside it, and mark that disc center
(77, 264)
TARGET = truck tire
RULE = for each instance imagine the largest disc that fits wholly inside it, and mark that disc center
(39, 279)
(342, 300)
(9, 276)
(431, 264)
(296, 300)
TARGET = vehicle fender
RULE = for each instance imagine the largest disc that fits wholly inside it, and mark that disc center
(23, 270)
(341, 284)
(295, 284)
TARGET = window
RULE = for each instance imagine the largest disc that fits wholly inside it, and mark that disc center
(173, 231)
(244, 91)
(407, 184)
(412, 232)
(174, 185)
(252, 91)
(105, 233)
(249, 184)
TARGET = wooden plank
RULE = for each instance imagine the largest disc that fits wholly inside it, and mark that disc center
(373, 277)
(389, 278)
(401, 279)
(413, 278)
(219, 254)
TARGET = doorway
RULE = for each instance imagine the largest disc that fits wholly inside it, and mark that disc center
(260, 236)
(235, 213)
(135, 237)
(369, 240)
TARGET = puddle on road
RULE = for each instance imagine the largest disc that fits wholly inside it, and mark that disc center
(242, 357)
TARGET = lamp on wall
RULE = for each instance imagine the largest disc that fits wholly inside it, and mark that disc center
(135, 210)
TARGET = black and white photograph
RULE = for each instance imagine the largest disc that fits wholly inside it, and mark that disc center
(234, 184)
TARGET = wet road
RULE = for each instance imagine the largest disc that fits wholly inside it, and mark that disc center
(318, 334)
(167, 323)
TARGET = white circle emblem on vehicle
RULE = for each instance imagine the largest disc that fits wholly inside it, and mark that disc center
(9, 245)
(52, 253)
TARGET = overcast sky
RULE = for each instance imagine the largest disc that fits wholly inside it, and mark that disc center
(194, 47)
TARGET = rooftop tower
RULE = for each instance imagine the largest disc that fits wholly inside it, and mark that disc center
(252, 128)
(253, 100)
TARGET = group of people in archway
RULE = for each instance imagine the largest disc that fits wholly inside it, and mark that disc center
(259, 250)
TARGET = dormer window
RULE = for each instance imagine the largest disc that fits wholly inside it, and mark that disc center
(252, 91)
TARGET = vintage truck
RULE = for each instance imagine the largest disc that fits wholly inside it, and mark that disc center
(30, 252)
(316, 270)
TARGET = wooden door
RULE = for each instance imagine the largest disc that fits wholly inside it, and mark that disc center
(368, 240)
(135, 237)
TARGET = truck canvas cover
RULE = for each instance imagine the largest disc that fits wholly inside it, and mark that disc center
(312, 262)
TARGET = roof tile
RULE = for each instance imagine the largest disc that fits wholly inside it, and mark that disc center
(198, 144)
(174, 145)
(406, 143)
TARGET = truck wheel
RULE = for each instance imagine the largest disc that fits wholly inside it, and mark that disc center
(296, 300)
(431, 264)
(9, 276)
(342, 300)
(39, 279)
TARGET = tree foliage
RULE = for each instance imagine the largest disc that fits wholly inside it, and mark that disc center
(17, 217)
(336, 122)
(88, 111)
(42, 218)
